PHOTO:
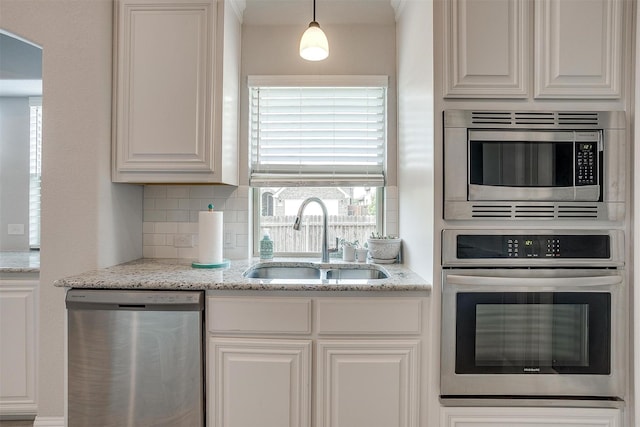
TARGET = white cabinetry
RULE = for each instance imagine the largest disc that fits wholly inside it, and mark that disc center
(534, 417)
(259, 382)
(371, 383)
(365, 370)
(18, 343)
(176, 67)
(577, 48)
(486, 53)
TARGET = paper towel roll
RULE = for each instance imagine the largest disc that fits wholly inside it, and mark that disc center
(211, 235)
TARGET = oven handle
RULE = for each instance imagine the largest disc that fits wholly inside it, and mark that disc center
(455, 279)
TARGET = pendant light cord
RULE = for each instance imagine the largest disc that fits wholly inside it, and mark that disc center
(314, 10)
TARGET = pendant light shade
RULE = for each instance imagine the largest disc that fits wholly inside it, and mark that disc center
(314, 45)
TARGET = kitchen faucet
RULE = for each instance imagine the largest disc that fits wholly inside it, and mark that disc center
(296, 224)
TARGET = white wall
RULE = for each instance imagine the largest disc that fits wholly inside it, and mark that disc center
(635, 237)
(14, 171)
(87, 222)
(417, 172)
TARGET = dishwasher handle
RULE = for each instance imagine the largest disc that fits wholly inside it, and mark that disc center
(134, 300)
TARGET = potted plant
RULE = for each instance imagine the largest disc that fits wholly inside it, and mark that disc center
(383, 248)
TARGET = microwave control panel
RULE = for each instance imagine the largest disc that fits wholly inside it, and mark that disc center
(586, 163)
(533, 246)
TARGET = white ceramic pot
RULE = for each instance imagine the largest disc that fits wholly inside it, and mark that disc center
(384, 249)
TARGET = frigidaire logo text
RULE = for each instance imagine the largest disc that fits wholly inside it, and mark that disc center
(531, 369)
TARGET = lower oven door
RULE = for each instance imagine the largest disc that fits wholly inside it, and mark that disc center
(536, 333)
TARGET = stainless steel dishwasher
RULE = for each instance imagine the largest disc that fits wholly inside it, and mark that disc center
(135, 358)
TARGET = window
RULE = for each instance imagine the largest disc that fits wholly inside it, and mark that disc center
(322, 137)
(35, 170)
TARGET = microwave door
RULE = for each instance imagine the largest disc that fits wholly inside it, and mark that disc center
(512, 166)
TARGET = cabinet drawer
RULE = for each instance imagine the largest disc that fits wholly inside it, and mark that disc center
(264, 315)
(369, 316)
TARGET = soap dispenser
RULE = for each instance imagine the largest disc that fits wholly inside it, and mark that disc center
(266, 246)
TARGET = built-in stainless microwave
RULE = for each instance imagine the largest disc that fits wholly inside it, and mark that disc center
(534, 165)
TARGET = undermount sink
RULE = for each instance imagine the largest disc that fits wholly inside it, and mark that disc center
(306, 271)
(261, 271)
(356, 273)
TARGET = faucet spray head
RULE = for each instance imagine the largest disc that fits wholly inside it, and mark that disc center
(296, 223)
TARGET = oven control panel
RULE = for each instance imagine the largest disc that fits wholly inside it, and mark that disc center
(477, 246)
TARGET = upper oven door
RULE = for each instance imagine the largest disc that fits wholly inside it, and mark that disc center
(533, 332)
(534, 165)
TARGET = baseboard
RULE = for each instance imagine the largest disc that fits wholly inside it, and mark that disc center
(49, 422)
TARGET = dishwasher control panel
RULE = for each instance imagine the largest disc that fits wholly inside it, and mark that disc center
(149, 300)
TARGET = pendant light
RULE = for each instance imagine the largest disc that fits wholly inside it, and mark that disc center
(313, 44)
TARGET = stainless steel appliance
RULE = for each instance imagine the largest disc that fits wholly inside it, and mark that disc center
(135, 358)
(554, 328)
(534, 165)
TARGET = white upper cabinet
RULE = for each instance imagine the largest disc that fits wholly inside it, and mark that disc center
(176, 91)
(563, 49)
(486, 53)
(578, 49)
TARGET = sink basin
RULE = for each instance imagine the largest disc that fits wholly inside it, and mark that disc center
(282, 272)
(356, 273)
(311, 271)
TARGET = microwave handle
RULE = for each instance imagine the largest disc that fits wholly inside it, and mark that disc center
(455, 279)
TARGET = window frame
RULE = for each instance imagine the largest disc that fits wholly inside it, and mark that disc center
(316, 81)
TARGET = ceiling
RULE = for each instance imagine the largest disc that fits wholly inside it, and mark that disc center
(328, 12)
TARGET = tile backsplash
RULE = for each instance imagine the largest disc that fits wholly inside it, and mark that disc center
(170, 227)
(170, 220)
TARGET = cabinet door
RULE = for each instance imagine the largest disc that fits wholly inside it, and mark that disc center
(164, 87)
(18, 347)
(367, 383)
(486, 48)
(259, 382)
(530, 417)
(578, 48)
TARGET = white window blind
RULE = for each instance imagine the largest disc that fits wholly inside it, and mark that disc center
(318, 133)
(35, 170)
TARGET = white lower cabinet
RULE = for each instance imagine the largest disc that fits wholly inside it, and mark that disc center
(364, 372)
(530, 417)
(367, 383)
(18, 341)
(259, 382)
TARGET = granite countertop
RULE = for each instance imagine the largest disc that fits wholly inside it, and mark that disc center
(20, 262)
(171, 274)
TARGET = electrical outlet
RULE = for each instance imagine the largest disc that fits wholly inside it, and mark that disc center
(15, 229)
(183, 241)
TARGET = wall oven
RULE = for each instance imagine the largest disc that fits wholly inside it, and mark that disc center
(541, 164)
(537, 314)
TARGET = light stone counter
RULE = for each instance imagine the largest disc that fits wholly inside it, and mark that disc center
(20, 262)
(171, 274)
